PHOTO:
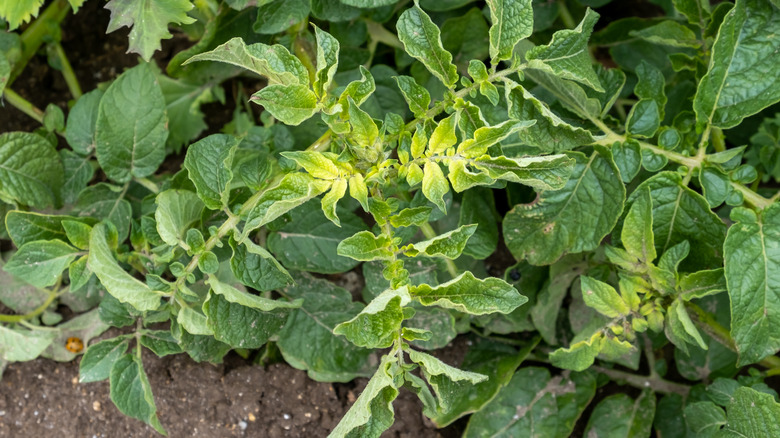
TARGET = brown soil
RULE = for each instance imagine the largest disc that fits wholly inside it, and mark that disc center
(43, 398)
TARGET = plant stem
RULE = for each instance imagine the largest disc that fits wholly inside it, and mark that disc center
(33, 36)
(655, 383)
(378, 33)
(23, 105)
(721, 334)
(67, 72)
(430, 233)
(30, 315)
(565, 15)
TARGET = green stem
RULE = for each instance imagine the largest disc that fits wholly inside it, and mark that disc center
(378, 33)
(23, 105)
(721, 334)
(34, 35)
(565, 15)
(430, 233)
(40, 309)
(67, 72)
(655, 383)
(718, 140)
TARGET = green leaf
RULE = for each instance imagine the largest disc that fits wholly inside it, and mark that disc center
(415, 216)
(680, 328)
(18, 345)
(478, 207)
(497, 361)
(603, 297)
(309, 241)
(177, 211)
(160, 342)
(548, 172)
(752, 413)
(680, 214)
(432, 366)
(327, 61)
(372, 412)
(24, 227)
(637, 234)
(487, 136)
(275, 63)
(330, 200)
(751, 259)
(513, 21)
(334, 359)
(84, 327)
(275, 16)
(468, 294)
(184, 101)
(619, 415)
(435, 185)
(365, 246)
(80, 128)
(241, 320)
(235, 296)
(449, 245)
(416, 96)
(41, 263)
(704, 418)
(131, 128)
(377, 325)
(293, 190)
(549, 299)
(646, 116)
(194, 322)
(701, 284)
(422, 40)
(290, 104)
(97, 361)
(729, 92)
(257, 268)
(697, 11)
(317, 164)
(209, 163)
(5, 71)
(78, 172)
(368, 3)
(131, 392)
(117, 282)
(567, 54)
(572, 219)
(31, 172)
(535, 404)
(18, 12)
(104, 201)
(668, 33)
(579, 356)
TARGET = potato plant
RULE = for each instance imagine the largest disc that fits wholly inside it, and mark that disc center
(631, 168)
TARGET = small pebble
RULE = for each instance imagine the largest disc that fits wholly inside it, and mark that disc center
(242, 425)
(252, 417)
(96, 406)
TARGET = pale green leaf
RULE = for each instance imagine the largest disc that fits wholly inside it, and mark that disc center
(603, 297)
(365, 246)
(752, 413)
(17, 12)
(97, 361)
(104, 201)
(434, 184)
(449, 245)
(327, 61)
(422, 40)
(41, 263)
(416, 96)
(275, 63)
(372, 412)
(567, 54)
(513, 21)
(293, 190)
(579, 356)
(377, 325)
(209, 164)
(329, 201)
(115, 279)
(468, 294)
(432, 366)
(177, 211)
(487, 136)
(149, 21)
(290, 104)
(23, 345)
(80, 127)
(637, 234)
